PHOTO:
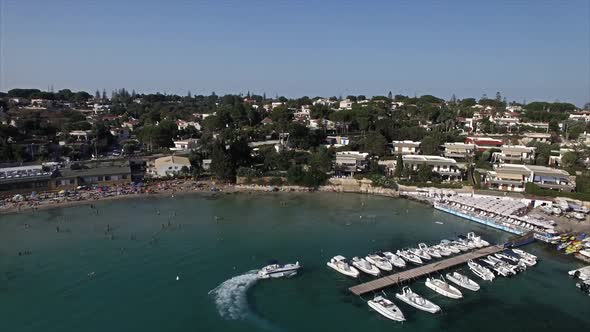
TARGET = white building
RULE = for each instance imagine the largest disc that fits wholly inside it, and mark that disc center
(350, 162)
(459, 150)
(185, 145)
(80, 135)
(167, 166)
(446, 167)
(182, 125)
(405, 147)
(345, 104)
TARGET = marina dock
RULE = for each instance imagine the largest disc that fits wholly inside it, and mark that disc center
(424, 270)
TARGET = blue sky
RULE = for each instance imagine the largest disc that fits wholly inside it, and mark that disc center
(533, 50)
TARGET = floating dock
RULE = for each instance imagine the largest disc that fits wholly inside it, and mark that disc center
(424, 270)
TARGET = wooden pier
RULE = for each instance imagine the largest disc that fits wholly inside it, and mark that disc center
(424, 270)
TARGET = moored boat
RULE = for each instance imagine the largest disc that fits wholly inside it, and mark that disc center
(417, 301)
(418, 252)
(429, 250)
(481, 271)
(379, 262)
(394, 259)
(339, 264)
(443, 288)
(462, 281)
(409, 257)
(386, 308)
(363, 265)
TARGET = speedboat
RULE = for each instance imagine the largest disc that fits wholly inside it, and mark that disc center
(409, 257)
(499, 266)
(363, 265)
(386, 308)
(417, 301)
(511, 260)
(466, 242)
(379, 262)
(525, 254)
(394, 259)
(443, 250)
(483, 272)
(443, 288)
(339, 264)
(420, 253)
(449, 245)
(463, 281)
(429, 250)
(477, 239)
(278, 271)
(460, 246)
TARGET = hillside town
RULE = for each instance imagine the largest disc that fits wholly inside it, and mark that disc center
(65, 141)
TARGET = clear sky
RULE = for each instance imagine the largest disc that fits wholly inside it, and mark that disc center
(537, 49)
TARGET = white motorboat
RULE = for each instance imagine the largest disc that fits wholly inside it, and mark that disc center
(460, 246)
(386, 308)
(363, 265)
(483, 272)
(467, 243)
(462, 281)
(339, 264)
(429, 250)
(278, 271)
(417, 301)
(523, 253)
(449, 245)
(477, 239)
(418, 252)
(443, 288)
(379, 262)
(512, 260)
(409, 257)
(443, 250)
(499, 266)
(394, 259)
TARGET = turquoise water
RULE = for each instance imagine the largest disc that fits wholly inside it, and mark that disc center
(212, 244)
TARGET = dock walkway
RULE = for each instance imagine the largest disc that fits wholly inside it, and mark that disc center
(421, 271)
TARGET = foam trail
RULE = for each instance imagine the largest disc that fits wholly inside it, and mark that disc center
(231, 298)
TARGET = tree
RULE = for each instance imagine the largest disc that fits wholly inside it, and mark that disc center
(399, 166)
(430, 145)
(221, 163)
(569, 161)
(375, 143)
(424, 174)
(321, 160)
(390, 95)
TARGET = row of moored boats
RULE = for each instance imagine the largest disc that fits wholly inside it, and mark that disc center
(503, 264)
(374, 264)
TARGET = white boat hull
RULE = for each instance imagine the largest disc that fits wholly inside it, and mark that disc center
(432, 309)
(396, 316)
(450, 291)
(351, 273)
(467, 284)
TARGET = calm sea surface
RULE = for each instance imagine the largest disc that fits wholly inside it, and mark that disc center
(116, 269)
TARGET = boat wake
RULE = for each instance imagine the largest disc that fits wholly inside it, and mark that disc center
(231, 299)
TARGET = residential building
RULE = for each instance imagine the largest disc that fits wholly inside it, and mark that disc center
(185, 145)
(514, 177)
(446, 167)
(484, 143)
(24, 179)
(323, 101)
(90, 174)
(345, 104)
(167, 166)
(266, 121)
(80, 135)
(459, 150)
(514, 153)
(182, 125)
(388, 166)
(580, 116)
(536, 137)
(275, 104)
(351, 162)
(506, 122)
(405, 147)
(337, 141)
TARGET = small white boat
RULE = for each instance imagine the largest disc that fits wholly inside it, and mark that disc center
(379, 262)
(579, 216)
(443, 288)
(451, 246)
(417, 301)
(278, 271)
(422, 254)
(477, 239)
(523, 253)
(467, 243)
(462, 281)
(483, 272)
(386, 308)
(363, 265)
(394, 259)
(443, 250)
(429, 250)
(339, 264)
(500, 267)
(409, 257)
(460, 246)
(512, 260)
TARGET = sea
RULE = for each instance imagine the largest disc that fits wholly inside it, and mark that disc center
(188, 263)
